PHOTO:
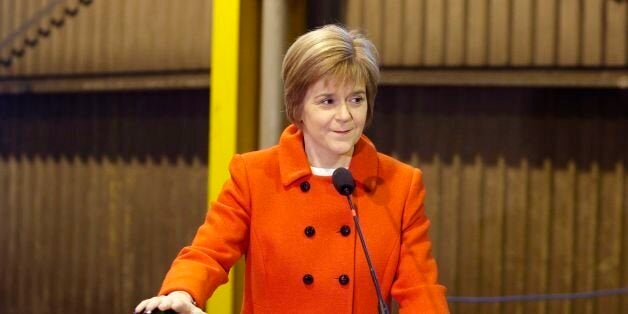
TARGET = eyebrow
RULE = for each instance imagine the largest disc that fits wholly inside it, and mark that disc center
(330, 94)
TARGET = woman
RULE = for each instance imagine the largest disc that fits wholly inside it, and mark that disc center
(280, 209)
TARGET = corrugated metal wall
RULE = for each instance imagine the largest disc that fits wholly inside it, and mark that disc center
(98, 193)
(526, 188)
(111, 36)
(495, 33)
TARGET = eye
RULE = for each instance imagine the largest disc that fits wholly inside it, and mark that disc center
(356, 99)
(327, 101)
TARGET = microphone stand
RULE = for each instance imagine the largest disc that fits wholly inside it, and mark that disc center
(382, 307)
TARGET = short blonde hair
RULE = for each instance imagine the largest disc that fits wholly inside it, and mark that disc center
(332, 51)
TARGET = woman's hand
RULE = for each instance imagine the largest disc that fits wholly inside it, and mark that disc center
(179, 301)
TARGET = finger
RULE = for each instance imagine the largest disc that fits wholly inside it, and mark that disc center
(141, 306)
(165, 304)
(152, 304)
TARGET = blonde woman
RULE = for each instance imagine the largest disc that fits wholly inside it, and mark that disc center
(280, 209)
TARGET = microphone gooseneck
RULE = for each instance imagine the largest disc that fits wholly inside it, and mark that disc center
(344, 184)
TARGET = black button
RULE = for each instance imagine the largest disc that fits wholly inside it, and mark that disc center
(310, 231)
(343, 279)
(308, 279)
(345, 230)
(305, 186)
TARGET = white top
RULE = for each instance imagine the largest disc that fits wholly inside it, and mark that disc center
(322, 172)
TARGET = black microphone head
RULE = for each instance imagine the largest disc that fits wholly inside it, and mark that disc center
(343, 181)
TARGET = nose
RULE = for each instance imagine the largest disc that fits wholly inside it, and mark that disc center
(343, 113)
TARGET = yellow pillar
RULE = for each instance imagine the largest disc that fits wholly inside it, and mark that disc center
(233, 111)
(223, 116)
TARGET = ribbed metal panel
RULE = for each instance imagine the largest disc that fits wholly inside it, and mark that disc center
(525, 197)
(111, 36)
(98, 192)
(495, 33)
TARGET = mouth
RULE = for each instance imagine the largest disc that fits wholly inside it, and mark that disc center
(342, 131)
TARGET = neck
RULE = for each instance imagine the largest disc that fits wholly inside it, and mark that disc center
(326, 159)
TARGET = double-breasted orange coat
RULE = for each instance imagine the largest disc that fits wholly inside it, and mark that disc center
(297, 233)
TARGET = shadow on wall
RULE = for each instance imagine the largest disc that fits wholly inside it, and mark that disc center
(161, 125)
(561, 125)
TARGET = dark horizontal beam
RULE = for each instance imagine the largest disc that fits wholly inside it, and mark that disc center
(400, 77)
(507, 77)
(96, 83)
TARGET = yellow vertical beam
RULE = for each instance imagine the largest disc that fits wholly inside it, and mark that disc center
(223, 121)
(248, 100)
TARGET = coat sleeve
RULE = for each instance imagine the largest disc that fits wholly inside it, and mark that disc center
(415, 286)
(224, 236)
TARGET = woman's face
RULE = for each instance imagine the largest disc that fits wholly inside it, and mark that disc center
(332, 119)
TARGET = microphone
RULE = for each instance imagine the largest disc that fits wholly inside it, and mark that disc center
(343, 181)
(344, 184)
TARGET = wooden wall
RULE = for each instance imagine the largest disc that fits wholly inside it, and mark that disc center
(495, 33)
(111, 36)
(98, 192)
(526, 189)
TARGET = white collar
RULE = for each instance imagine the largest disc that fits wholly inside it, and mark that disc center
(322, 172)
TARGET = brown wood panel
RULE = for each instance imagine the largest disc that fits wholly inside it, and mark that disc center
(19, 13)
(374, 24)
(450, 227)
(431, 178)
(562, 234)
(97, 52)
(616, 33)
(12, 226)
(569, 32)
(26, 10)
(112, 36)
(470, 234)
(78, 30)
(492, 258)
(412, 34)
(46, 266)
(353, 18)
(24, 248)
(499, 32)
(98, 193)
(476, 27)
(543, 161)
(72, 34)
(624, 260)
(39, 55)
(609, 237)
(545, 33)
(592, 33)
(4, 232)
(434, 33)
(6, 25)
(59, 48)
(455, 32)
(587, 211)
(521, 33)
(539, 235)
(133, 13)
(515, 236)
(393, 27)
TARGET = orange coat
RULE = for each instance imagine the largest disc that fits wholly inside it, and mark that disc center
(299, 258)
